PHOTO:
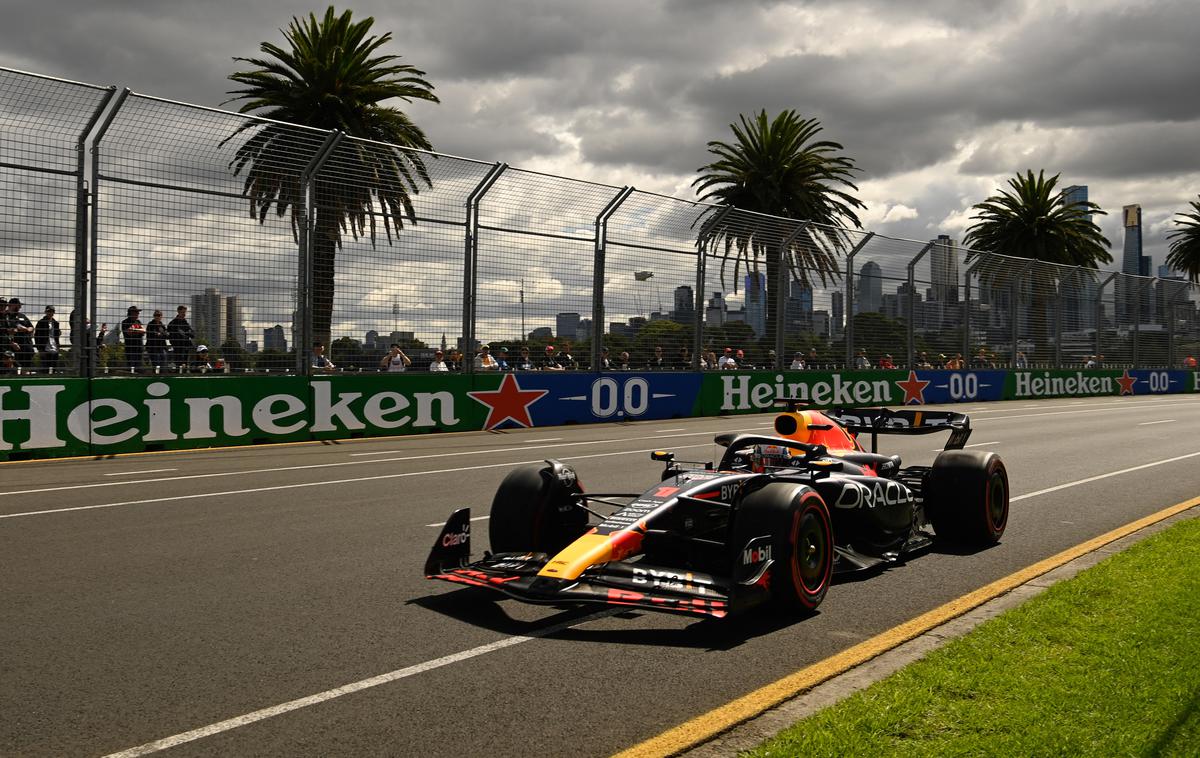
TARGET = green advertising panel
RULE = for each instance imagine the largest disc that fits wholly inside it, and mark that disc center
(39, 418)
(757, 391)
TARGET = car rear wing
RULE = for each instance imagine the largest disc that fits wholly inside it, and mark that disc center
(878, 421)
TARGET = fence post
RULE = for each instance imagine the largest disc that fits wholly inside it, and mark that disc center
(1015, 297)
(1058, 321)
(1171, 305)
(781, 293)
(701, 268)
(81, 356)
(966, 322)
(598, 263)
(470, 259)
(1100, 310)
(1137, 321)
(303, 336)
(911, 331)
(88, 339)
(849, 332)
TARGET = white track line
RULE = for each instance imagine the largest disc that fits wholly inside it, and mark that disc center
(349, 689)
(134, 473)
(977, 444)
(298, 485)
(362, 684)
(544, 439)
(1164, 421)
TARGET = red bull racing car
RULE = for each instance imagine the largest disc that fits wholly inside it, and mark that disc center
(770, 524)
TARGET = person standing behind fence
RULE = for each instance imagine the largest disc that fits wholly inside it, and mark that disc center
(46, 336)
(438, 363)
(319, 361)
(502, 359)
(21, 329)
(182, 337)
(156, 341)
(395, 361)
(484, 360)
(134, 334)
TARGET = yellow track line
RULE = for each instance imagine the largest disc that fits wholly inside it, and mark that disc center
(705, 727)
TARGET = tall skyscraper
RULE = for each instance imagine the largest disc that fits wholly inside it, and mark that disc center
(714, 314)
(234, 331)
(1130, 305)
(756, 302)
(209, 313)
(838, 306)
(943, 269)
(685, 305)
(1076, 193)
(868, 295)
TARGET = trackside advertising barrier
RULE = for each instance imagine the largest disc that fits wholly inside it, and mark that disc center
(43, 417)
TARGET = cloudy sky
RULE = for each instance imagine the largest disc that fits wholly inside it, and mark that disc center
(938, 101)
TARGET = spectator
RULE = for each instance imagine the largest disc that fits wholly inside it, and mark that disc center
(199, 361)
(923, 361)
(1089, 361)
(956, 363)
(812, 362)
(6, 344)
(861, 362)
(1100, 361)
(395, 360)
(941, 361)
(980, 360)
(156, 341)
(439, 362)
(726, 359)
(770, 359)
(1022, 361)
(797, 361)
(181, 336)
(565, 358)
(551, 362)
(319, 362)
(741, 361)
(46, 336)
(20, 330)
(623, 364)
(8, 363)
(502, 359)
(711, 362)
(484, 360)
(605, 361)
(1189, 362)
(886, 361)
(134, 335)
(657, 362)
(683, 361)
(524, 362)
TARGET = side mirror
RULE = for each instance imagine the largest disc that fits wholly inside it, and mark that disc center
(662, 455)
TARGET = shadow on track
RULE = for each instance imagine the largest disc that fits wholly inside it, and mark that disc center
(484, 608)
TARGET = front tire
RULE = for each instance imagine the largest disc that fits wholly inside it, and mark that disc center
(533, 511)
(966, 497)
(801, 530)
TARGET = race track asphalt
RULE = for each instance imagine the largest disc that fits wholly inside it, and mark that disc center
(144, 597)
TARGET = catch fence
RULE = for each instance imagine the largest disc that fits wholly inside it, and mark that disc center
(274, 236)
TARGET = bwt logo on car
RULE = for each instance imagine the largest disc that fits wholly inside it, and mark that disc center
(753, 555)
(453, 539)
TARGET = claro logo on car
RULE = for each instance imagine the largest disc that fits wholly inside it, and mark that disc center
(453, 539)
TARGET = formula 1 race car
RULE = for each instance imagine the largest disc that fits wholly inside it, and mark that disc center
(769, 524)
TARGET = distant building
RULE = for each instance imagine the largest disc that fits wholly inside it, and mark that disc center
(217, 318)
(714, 314)
(837, 302)
(566, 325)
(274, 339)
(943, 269)
(542, 333)
(371, 339)
(868, 295)
(756, 302)
(1133, 302)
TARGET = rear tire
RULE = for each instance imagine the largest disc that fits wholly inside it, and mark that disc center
(801, 531)
(534, 512)
(966, 497)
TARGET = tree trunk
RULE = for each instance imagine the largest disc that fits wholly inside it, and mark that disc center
(324, 253)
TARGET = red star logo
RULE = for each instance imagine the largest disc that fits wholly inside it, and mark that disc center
(914, 389)
(508, 402)
(1126, 381)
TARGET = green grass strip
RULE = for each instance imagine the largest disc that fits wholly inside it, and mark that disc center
(1104, 664)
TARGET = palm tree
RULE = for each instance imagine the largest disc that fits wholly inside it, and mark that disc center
(1034, 221)
(776, 167)
(1185, 243)
(331, 77)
